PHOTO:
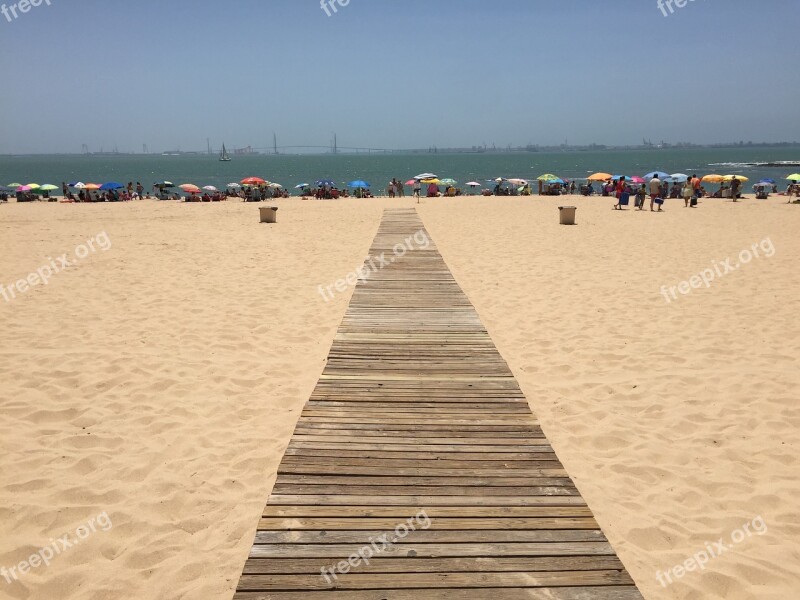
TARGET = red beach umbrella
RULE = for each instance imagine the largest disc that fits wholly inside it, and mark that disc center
(253, 181)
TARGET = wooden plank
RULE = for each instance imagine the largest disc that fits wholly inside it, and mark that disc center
(457, 524)
(434, 512)
(435, 580)
(526, 593)
(418, 422)
(258, 566)
(342, 551)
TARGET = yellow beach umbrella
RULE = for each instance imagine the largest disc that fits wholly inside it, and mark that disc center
(739, 177)
(600, 177)
(548, 177)
(34, 186)
(795, 177)
(431, 181)
(713, 179)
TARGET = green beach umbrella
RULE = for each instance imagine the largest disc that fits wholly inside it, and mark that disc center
(14, 185)
(795, 177)
(548, 177)
(48, 187)
(34, 186)
(449, 182)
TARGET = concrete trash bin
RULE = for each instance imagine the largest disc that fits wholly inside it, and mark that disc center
(269, 214)
(567, 214)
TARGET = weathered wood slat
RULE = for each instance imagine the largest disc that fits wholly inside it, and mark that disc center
(418, 444)
(525, 593)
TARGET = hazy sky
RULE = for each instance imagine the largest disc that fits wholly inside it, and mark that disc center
(395, 73)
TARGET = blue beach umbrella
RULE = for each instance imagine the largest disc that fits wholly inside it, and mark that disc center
(113, 185)
(659, 174)
(768, 181)
(678, 178)
(359, 183)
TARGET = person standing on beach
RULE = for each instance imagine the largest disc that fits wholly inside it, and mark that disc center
(620, 190)
(688, 192)
(417, 189)
(696, 185)
(655, 191)
(64, 189)
(140, 190)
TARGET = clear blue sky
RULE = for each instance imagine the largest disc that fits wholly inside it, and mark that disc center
(396, 73)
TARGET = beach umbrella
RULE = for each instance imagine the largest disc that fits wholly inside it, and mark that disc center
(48, 187)
(618, 177)
(253, 181)
(637, 179)
(91, 186)
(34, 186)
(190, 188)
(557, 180)
(275, 186)
(731, 178)
(302, 186)
(14, 185)
(679, 178)
(433, 180)
(657, 174)
(411, 182)
(519, 182)
(210, 188)
(474, 184)
(359, 183)
(24, 188)
(712, 179)
(768, 181)
(600, 177)
(795, 177)
(5, 189)
(111, 186)
(234, 186)
(449, 182)
(325, 182)
(548, 177)
(426, 176)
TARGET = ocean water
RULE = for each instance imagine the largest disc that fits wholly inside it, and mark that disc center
(379, 169)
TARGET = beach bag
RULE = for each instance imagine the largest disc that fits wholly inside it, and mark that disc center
(694, 201)
(659, 201)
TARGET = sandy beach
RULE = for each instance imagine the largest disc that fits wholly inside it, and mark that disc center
(157, 379)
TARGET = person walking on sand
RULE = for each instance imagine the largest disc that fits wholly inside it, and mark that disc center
(688, 192)
(641, 194)
(655, 191)
(417, 189)
(620, 190)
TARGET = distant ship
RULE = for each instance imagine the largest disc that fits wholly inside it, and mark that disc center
(223, 156)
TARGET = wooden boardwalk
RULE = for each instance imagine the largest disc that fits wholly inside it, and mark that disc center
(417, 423)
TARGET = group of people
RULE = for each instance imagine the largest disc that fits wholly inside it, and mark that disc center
(396, 189)
(691, 191)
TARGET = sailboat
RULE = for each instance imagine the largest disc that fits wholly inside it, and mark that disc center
(223, 157)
